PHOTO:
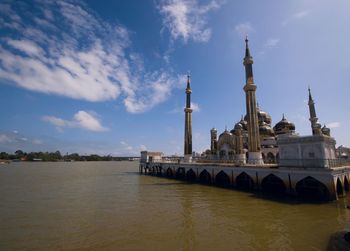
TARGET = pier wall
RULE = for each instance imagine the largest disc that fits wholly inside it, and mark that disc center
(314, 183)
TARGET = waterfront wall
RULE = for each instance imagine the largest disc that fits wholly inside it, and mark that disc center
(311, 183)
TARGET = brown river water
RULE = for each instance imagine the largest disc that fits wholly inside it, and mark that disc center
(110, 206)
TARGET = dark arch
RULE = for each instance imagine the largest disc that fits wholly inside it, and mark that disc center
(204, 177)
(169, 173)
(244, 181)
(311, 189)
(273, 184)
(264, 157)
(247, 155)
(270, 158)
(159, 171)
(180, 173)
(191, 175)
(339, 188)
(346, 184)
(222, 179)
(153, 170)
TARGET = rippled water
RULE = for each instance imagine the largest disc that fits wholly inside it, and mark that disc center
(109, 206)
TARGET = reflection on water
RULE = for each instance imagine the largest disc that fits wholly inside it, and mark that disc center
(109, 206)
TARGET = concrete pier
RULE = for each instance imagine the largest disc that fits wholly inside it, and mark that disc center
(309, 183)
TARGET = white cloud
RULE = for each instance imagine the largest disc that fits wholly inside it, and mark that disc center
(296, 16)
(37, 142)
(271, 43)
(5, 139)
(195, 107)
(244, 29)
(333, 125)
(82, 119)
(300, 14)
(186, 19)
(48, 56)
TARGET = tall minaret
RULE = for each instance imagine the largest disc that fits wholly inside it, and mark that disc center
(188, 120)
(315, 126)
(252, 116)
(214, 141)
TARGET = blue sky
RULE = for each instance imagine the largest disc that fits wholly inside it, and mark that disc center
(108, 77)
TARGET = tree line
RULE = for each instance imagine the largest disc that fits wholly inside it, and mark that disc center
(56, 156)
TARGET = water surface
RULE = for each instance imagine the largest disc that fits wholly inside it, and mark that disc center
(109, 206)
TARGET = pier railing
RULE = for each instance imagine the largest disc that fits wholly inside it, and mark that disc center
(314, 163)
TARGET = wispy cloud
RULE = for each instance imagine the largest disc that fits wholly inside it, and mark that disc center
(195, 108)
(244, 29)
(271, 43)
(187, 19)
(334, 125)
(82, 119)
(298, 15)
(5, 139)
(66, 49)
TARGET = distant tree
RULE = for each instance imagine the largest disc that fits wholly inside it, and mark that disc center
(4, 155)
(19, 154)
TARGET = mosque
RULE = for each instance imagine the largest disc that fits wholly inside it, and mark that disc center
(256, 155)
(234, 144)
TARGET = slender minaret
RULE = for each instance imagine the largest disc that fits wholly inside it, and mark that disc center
(315, 126)
(214, 141)
(254, 155)
(188, 120)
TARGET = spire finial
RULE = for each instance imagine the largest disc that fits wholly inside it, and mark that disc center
(247, 52)
(283, 118)
(310, 96)
(188, 80)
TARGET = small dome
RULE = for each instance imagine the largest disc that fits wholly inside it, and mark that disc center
(225, 133)
(238, 126)
(263, 117)
(265, 130)
(284, 126)
(326, 131)
(244, 124)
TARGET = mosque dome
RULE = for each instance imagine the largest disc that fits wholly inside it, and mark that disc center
(263, 117)
(244, 123)
(326, 131)
(265, 130)
(225, 134)
(238, 126)
(284, 126)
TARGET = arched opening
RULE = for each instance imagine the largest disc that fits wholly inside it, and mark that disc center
(204, 177)
(244, 182)
(346, 184)
(311, 189)
(270, 158)
(191, 175)
(169, 173)
(339, 188)
(273, 184)
(159, 171)
(222, 179)
(247, 155)
(264, 157)
(180, 173)
(153, 170)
